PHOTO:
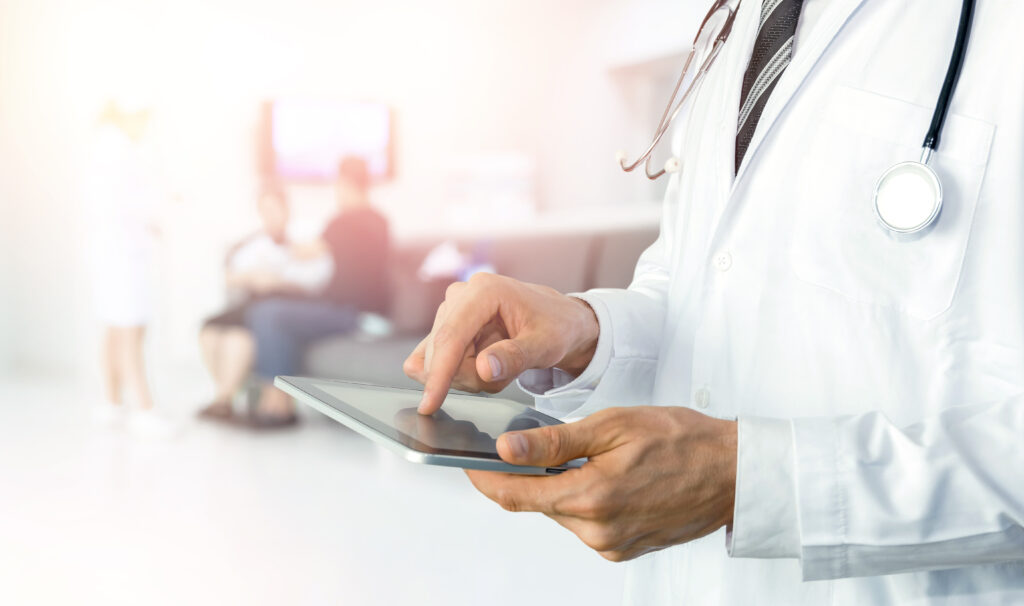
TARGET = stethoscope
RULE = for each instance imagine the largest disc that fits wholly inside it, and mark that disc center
(907, 197)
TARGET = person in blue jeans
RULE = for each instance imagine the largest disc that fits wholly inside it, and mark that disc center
(357, 239)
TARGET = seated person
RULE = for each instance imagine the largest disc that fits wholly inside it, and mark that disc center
(259, 266)
(357, 240)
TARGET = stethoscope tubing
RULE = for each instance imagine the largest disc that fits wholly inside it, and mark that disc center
(672, 109)
(921, 169)
(956, 65)
(932, 137)
(665, 124)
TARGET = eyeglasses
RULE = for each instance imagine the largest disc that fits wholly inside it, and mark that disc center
(703, 39)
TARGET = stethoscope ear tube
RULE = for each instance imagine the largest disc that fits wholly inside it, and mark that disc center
(673, 108)
(956, 63)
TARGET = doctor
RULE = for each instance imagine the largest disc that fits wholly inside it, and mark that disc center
(792, 403)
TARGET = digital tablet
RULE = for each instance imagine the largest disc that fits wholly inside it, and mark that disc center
(462, 434)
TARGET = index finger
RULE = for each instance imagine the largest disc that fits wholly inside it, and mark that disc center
(456, 332)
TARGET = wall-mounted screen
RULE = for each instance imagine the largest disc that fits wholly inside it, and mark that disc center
(308, 137)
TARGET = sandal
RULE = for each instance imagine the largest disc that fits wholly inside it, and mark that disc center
(217, 411)
(271, 420)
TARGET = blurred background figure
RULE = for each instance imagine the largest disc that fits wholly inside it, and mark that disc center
(258, 267)
(121, 196)
(493, 144)
(357, 240)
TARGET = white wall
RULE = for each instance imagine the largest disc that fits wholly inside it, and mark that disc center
(464, 76)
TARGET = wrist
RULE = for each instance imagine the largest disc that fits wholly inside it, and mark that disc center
(729, 445)
(584, 343)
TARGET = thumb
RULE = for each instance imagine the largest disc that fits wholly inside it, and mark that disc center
(554, 444)
(508, 358)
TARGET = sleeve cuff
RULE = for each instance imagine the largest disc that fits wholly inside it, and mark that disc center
(624, 367)
(555, 391)
(765, 517)
(822, 503)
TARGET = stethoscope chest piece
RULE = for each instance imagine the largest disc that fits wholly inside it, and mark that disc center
(908, 198)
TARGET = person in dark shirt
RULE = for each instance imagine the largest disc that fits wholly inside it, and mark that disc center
(357, 239)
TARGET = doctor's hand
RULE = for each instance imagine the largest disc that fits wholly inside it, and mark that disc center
(657, 477)
(490, 329)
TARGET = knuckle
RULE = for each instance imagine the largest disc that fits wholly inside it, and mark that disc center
(507, 500)
(607, 414)
(591, 506)
(600, 539)
(555, 442)
(515, 357)
(611, 419)
(482, 278)
(453, 290)
(549, 291)
(614, 556)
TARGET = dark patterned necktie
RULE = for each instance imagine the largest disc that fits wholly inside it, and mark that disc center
(772, 53)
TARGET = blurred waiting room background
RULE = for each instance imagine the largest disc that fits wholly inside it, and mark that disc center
(489, 130)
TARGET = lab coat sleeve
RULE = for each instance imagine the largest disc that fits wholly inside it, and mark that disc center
(765, 523)
(631, 321)
(873, 498)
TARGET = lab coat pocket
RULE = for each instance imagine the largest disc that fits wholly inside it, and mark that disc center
(838, 243)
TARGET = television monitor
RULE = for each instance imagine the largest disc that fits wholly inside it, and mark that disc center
(307, 137)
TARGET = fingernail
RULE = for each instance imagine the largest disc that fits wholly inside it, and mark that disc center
(422, 404)
(517, 444)
(495, 365)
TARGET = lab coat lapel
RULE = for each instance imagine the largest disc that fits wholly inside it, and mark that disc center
(806, 57)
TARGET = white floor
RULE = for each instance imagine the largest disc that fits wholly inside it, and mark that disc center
(317, 515)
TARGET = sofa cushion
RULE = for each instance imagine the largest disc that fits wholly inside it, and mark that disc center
(567, 262)
(616, 256)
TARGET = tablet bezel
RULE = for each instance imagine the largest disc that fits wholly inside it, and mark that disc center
(305, 390)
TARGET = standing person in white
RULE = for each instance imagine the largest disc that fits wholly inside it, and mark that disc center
(121, 198)
(792, 404)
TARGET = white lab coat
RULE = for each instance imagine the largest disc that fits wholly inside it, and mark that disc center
(121, 201)
(879, 384)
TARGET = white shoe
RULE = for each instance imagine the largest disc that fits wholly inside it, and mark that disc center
(150, 424)
(106, 415)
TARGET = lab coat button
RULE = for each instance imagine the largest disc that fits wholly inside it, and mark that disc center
(702, 398)
(723, 261)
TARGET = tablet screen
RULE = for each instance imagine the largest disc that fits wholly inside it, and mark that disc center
(465, 425)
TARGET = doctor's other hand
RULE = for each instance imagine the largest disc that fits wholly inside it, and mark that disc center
(656, 477)
(490, 329)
